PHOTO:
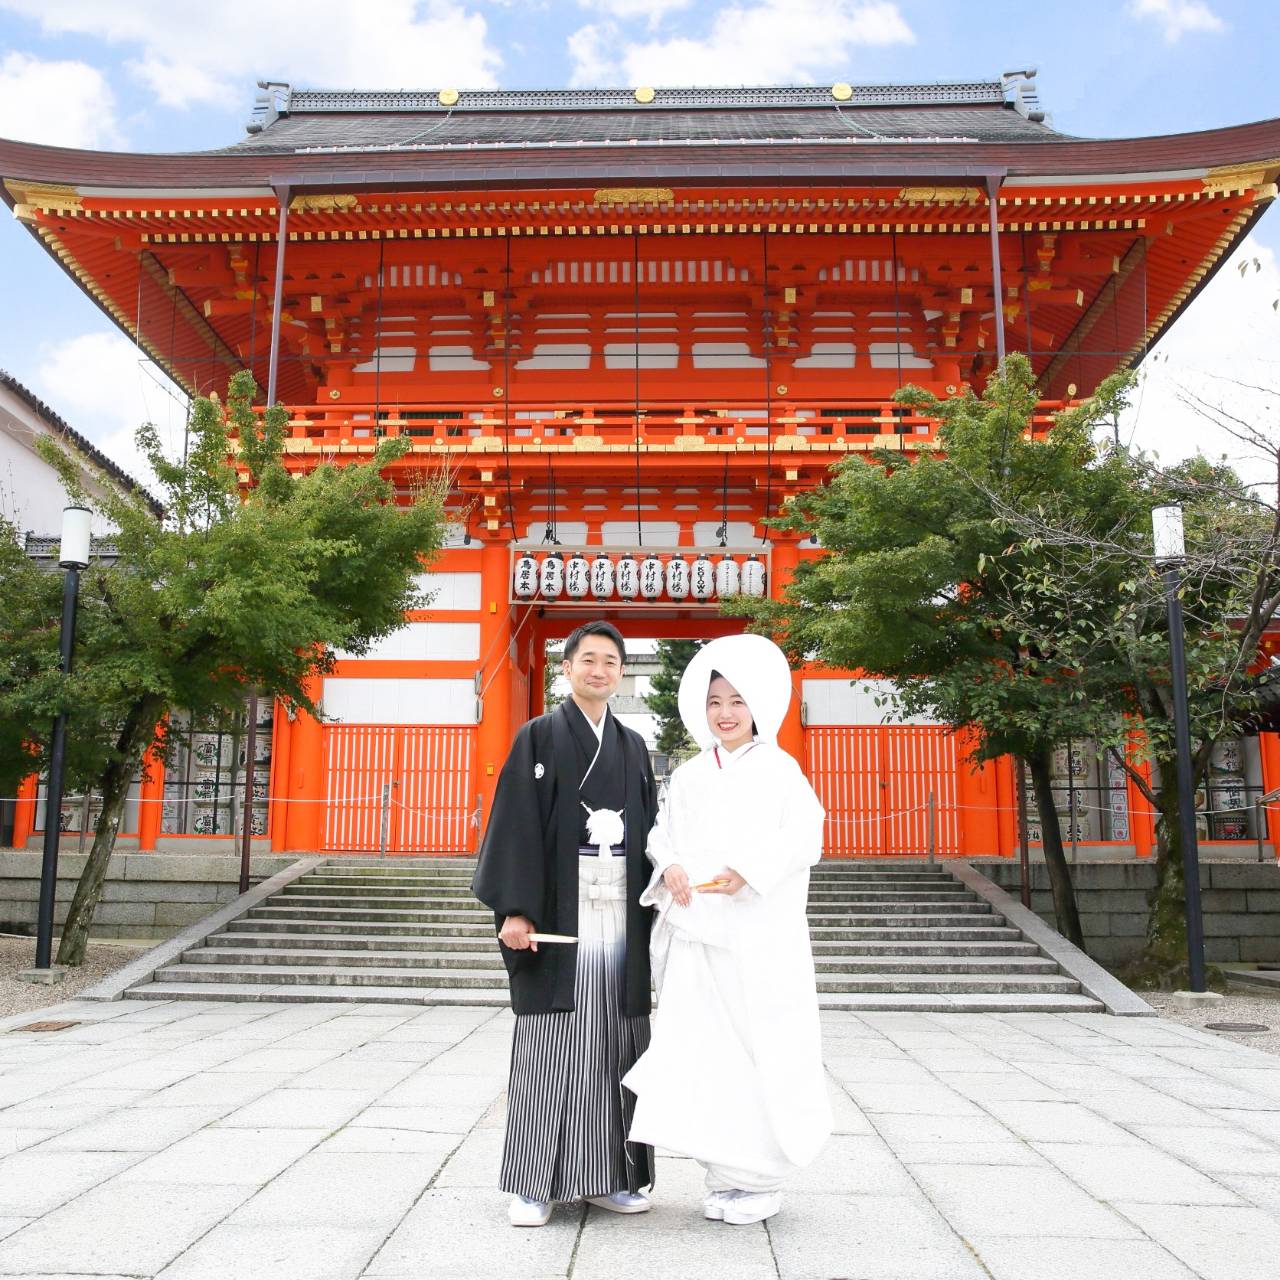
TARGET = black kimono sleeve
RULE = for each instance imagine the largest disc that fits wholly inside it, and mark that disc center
(511, 870)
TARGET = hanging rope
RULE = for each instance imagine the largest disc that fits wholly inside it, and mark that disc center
(551, 533)
(506, 384)
(724, 503)
(767, 333)
(635, 304)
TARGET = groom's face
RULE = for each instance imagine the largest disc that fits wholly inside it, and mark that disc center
(595, 670)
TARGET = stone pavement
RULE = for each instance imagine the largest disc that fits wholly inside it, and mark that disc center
(189, 1140)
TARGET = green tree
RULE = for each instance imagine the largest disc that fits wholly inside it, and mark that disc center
(232, 590)
(663, 698)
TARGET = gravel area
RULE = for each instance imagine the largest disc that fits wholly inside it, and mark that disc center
(17, 953)
(1235, 1007)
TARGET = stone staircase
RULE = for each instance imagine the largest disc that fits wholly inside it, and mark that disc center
(902, 936)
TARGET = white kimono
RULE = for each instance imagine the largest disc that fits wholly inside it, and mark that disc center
(734, 1077)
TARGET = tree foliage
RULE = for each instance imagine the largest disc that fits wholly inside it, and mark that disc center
(662, 700)
(235, 588)
(1006, 583)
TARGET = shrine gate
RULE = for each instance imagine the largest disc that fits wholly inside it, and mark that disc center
(629, 324)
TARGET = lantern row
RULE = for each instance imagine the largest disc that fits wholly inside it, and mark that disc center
(629, 578)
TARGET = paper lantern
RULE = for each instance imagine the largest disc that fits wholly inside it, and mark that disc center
(602, 577)
(628, 577)
(552, 576)
(677, 577)
(727, 577)
(525, 584)
(577, 577)
(702, 578)
(753, 577)
(651, 577)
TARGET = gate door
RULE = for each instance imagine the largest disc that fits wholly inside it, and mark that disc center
(424, 771)
(874, 782)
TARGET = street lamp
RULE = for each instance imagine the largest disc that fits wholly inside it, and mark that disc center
(73, 555)
(1166, 528)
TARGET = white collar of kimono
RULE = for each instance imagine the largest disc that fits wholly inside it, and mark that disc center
(597, 726)
(756, 668)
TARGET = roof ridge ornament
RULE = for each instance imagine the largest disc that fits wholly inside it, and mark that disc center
(269, 104)
(1026, 97)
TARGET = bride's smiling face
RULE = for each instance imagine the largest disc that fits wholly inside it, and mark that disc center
(728, 715)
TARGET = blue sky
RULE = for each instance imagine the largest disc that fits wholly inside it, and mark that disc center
(164, 75)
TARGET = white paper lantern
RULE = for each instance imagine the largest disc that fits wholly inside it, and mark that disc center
(651, 577)
(577, 577)
(628, 577)
(677, 577)
(552, 576)
(525, 585)
(753, 577)
(602, 577)
(702, 578)
(727, 577)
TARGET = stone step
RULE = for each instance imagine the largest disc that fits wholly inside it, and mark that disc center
(942, 964)
(900, 906)
(897, 946)
(379, 889)
(307, 994)
(356, 976)
(922, 933)
(994, 1002)
(901, 920)
(354, 942)
(356, 926)
(221, 954)
(917, 893)
(271, 911)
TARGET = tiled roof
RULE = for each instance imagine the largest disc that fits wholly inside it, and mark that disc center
(81, 445)
(299, 121)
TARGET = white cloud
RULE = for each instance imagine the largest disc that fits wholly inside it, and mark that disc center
(1230, 335)
(770, 42)
(62, 103)
(653, 11)
(1178, 17)
(105, 389)
(192, 54)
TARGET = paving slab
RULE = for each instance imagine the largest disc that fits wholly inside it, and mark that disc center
(266, 1142)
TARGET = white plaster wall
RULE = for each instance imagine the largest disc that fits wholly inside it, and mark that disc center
(352, 700)
(845, 702)
(424, 641)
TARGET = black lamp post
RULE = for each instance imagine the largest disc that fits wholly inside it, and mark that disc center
(1166, 526)
(72, 557)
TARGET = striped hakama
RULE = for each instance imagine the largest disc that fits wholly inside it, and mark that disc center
(567, 1111)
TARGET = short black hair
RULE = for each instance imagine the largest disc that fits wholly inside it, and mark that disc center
(599, 628)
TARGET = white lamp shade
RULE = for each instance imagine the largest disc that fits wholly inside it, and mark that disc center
(552, 576)
(525, 586)
(677, 577)
(577, 577)
(74, 552)
(651, 578)
(1166, 530)
(602, 577)
(753, 577)
(702, 579)
(727, 577)
(628, 578)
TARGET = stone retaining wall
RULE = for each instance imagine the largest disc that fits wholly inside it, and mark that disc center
(1241, 906)
(146, 896)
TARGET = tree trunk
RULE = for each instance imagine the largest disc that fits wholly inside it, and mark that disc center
(1066, 913)
(1165, 954)
(135, 737)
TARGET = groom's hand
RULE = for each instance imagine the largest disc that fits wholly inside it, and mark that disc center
(676, 879)
(515, 933)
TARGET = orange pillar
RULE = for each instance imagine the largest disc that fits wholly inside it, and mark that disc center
(151, 795)
(1269, 750)
(537, 677)
(786, 555)
(278, 822)
(24, 817)
(306, 790)
(493, 737)
(1006, 780)
(977, 798)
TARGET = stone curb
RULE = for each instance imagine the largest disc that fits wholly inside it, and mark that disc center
(1092, 977)
(141, 969)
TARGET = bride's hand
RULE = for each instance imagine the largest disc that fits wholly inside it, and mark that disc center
(676, 879)
(726, 882)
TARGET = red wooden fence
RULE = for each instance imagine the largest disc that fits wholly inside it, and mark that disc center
(874, 782)
(428, 769)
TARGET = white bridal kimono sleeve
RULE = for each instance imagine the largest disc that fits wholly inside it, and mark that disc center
(734, 1075)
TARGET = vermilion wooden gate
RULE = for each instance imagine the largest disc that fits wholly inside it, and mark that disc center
(427, 768)
(875, 782)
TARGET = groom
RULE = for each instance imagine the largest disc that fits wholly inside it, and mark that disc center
(563, 854)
